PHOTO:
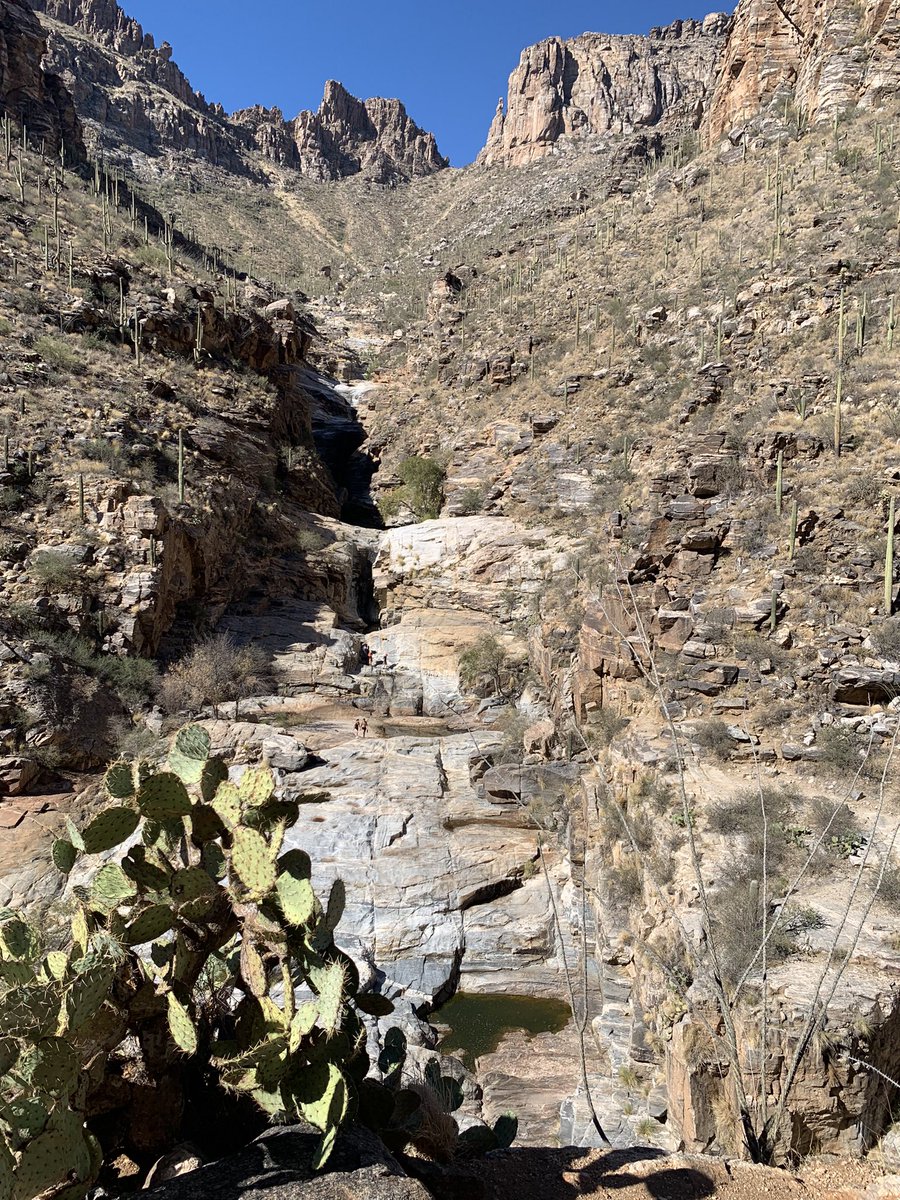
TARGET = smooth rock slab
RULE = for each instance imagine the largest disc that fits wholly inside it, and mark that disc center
(427, 861)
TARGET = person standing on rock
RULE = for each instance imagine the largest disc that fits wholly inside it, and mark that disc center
(356, 728)
(365, 727)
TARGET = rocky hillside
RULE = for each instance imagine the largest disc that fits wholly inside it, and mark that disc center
(577, 484)
(139, 110)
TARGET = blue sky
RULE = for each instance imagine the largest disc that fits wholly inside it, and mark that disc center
(448, 62)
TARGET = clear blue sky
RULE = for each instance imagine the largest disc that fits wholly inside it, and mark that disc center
(447, 61)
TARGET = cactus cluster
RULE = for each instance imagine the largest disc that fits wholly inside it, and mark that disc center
(194, 893)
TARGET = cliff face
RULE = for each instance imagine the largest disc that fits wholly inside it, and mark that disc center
(824, 57)
(28, 92)
(600, 84)
(140, 109)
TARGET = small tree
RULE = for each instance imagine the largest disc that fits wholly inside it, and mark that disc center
(423, 484)
(487, 662)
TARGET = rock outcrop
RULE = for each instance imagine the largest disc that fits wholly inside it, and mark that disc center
(28, 93)
(599, 84)
(824, 58)
(347, 136)
(138, 105)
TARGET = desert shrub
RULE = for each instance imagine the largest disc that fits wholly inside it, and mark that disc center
(5, 327)
(625, 883)
(885, 639)
(889, 886)
(215, 672)
(56, 571)
(737, 922)
(11, 499)
(712, 735)
(56, 353)
(843, 835)
(487, 667)
(840, 748)
(134, 680)
(743, 813)
(604, 726)
(472, 501)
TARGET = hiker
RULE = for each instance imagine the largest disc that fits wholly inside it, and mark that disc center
(356, 728)
(365, 655)
(365, 727)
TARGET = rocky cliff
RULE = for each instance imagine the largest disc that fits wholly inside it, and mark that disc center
(347, 136)
(140, 109)
(824, 58)
(600, 84)
(27, 92)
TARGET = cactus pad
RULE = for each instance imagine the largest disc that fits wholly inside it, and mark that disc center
(164, 797)
(57, 1067)
(110, 888)
(120, 781)
(227, 803)
(110, 829)
(320, 1093)
(256, 787)
(214, 773)
(45, 1163)
(296, 897)
(189, 754)
(57, 964)
(64, 855)
(303, 1024)
(17, 939)
(87, 994)
(337, 901)
(184, 1033)
(253, 970)
(253, 862)
(330, 982)
(191, 883)
(150, 925)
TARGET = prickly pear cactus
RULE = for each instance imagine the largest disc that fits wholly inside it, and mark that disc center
(44, 1146)
(191, 899)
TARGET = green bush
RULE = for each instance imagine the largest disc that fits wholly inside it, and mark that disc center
(423, 486)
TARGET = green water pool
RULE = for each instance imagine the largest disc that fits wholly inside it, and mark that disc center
(476, 1022)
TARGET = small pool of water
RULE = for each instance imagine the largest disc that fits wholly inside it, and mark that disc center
(476, 1022)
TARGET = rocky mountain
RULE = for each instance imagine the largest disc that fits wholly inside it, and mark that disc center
(375, 138)
(29, 93)
(140, 110)
(599, 86)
